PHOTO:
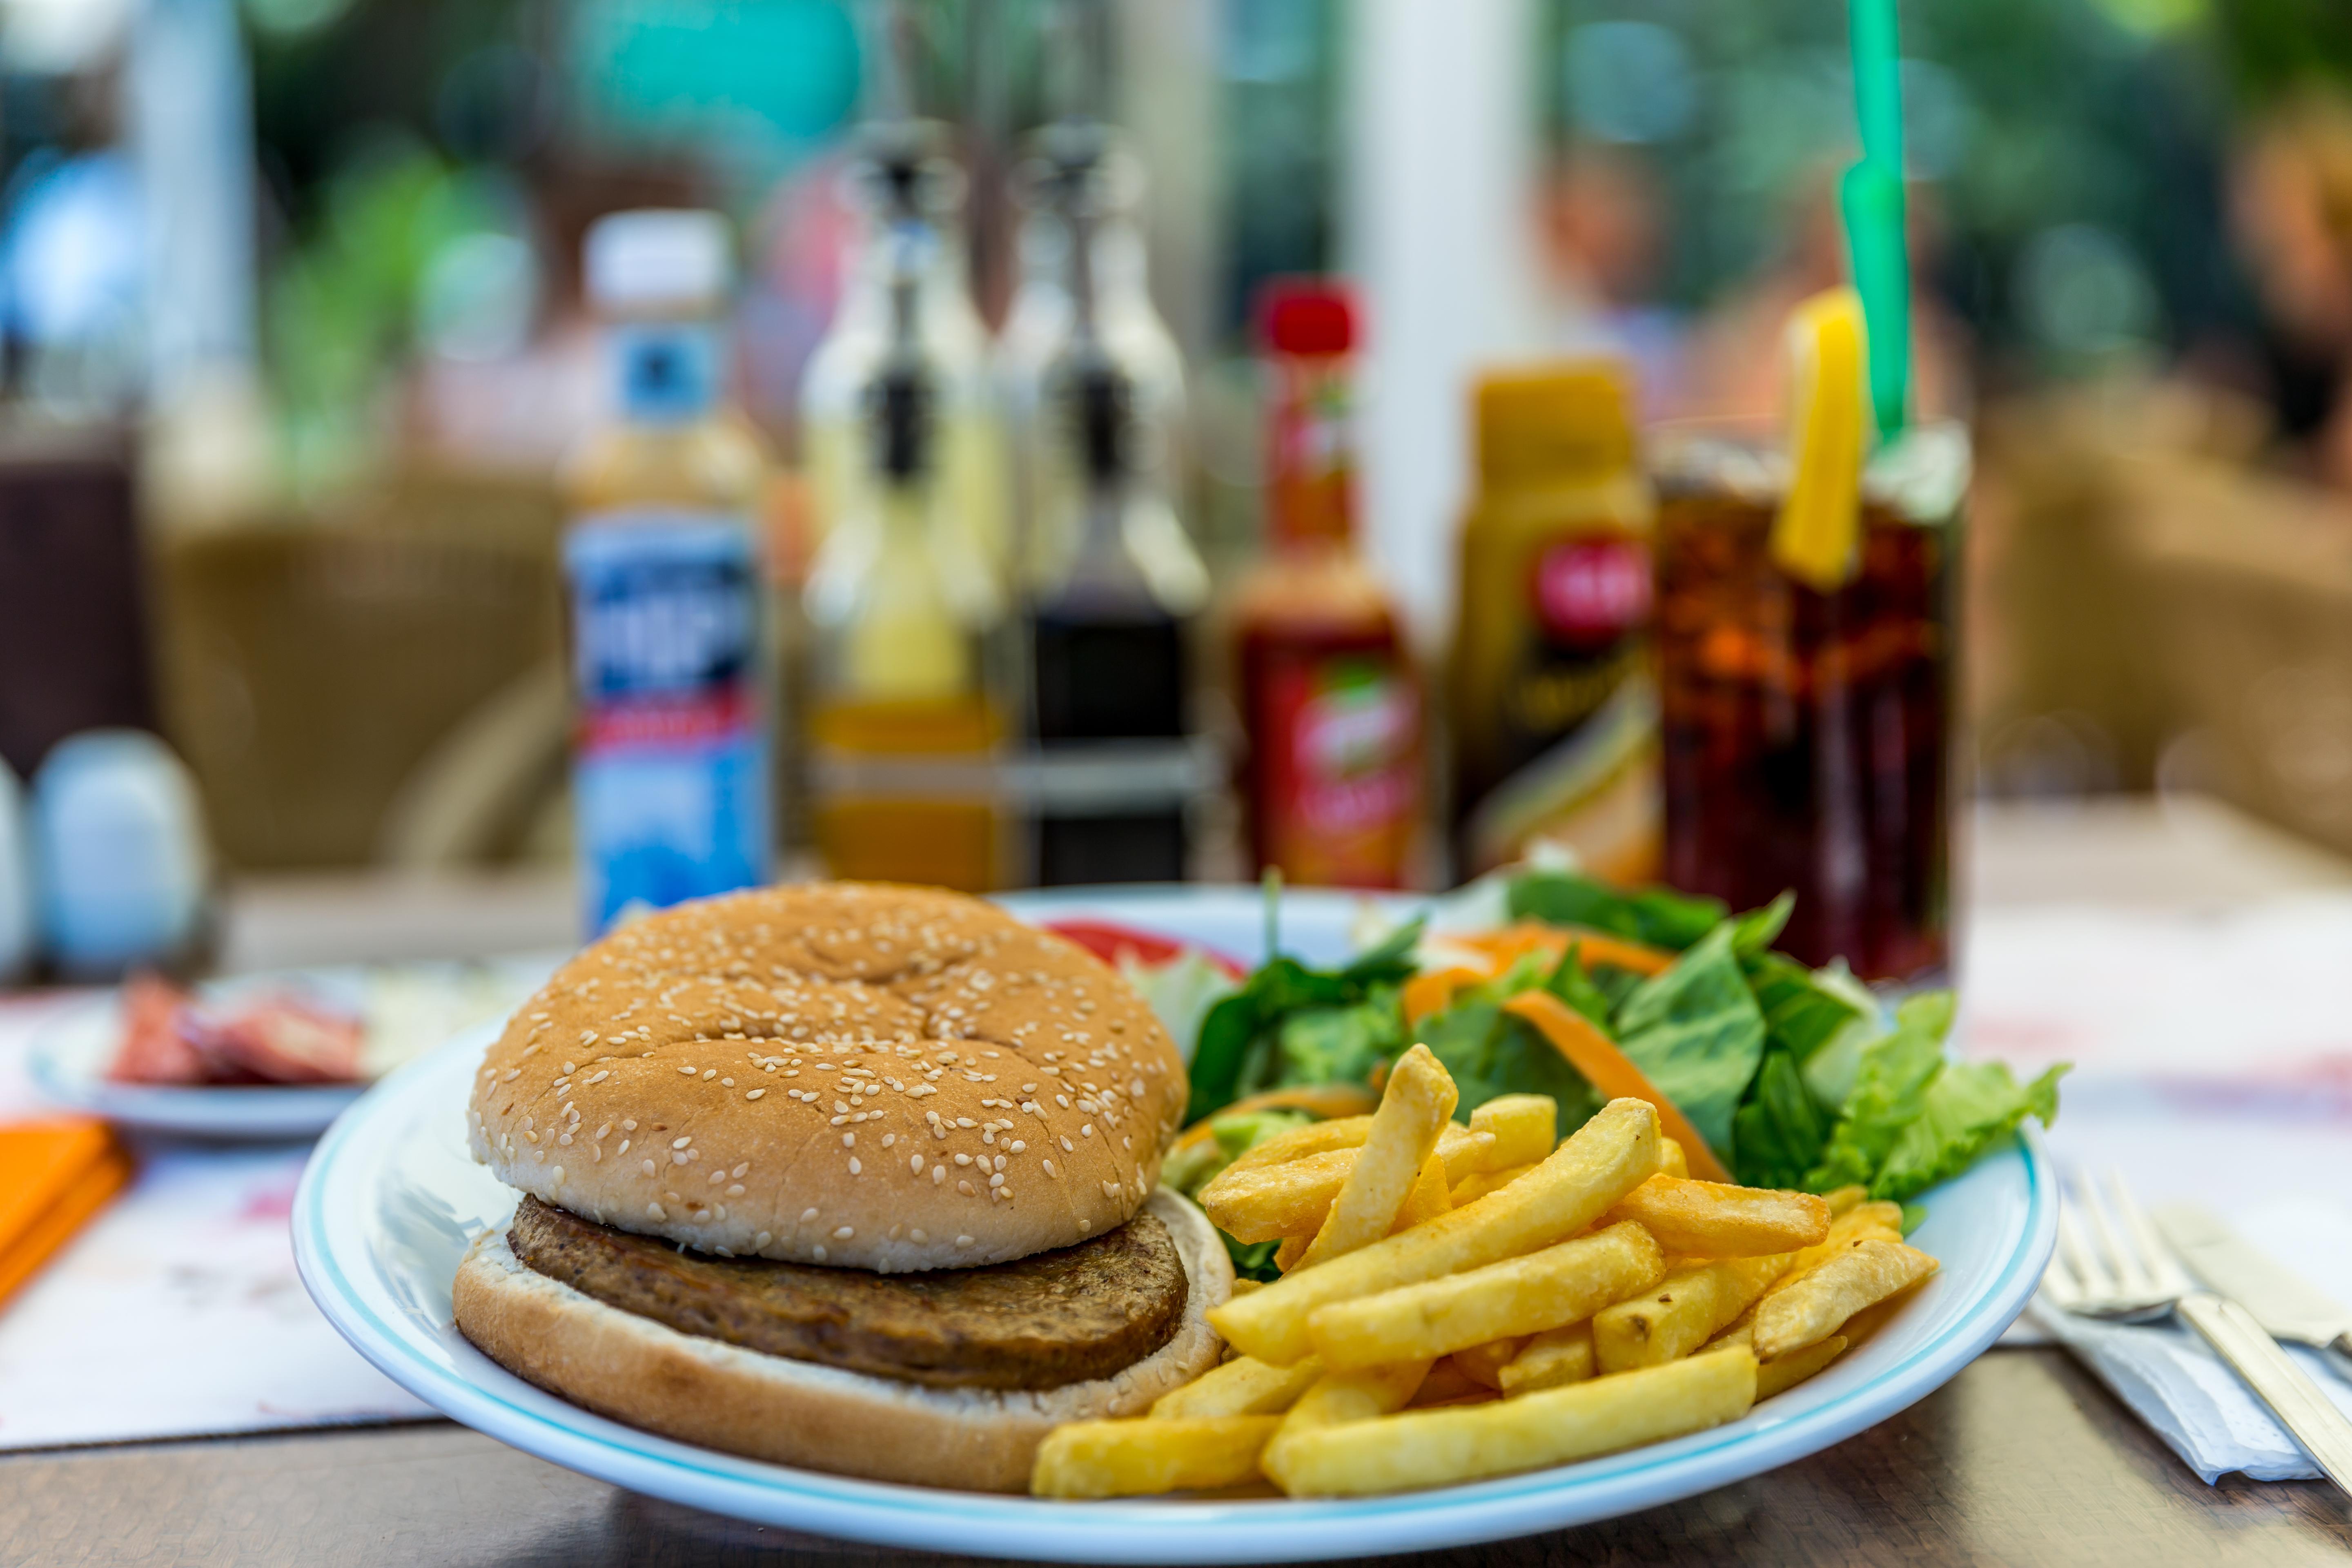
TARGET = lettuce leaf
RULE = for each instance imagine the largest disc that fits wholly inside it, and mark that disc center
(1779, 1133)
(1336, 1044)
(1968, 1108)
(1697, 1033)
(1800, 1014)
(1889, 1093)
(1238, 1047)
(1491, 1052)
(1756, 930)
(1572, 986)
(1657, 916)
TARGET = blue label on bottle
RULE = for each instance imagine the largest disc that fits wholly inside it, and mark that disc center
(667, 372)
(669, 777)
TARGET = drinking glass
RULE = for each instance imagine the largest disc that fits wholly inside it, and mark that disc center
(1807, 735)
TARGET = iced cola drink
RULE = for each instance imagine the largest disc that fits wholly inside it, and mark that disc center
(1807, 736)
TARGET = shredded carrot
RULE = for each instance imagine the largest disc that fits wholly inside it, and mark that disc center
(1432, 991)
(1597, 947)
(1611, 1071)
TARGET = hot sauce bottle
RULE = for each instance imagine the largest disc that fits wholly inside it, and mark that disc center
(1330, 701)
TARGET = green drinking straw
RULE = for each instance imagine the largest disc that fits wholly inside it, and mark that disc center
(1871, 197)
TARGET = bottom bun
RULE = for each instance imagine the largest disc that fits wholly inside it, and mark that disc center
(763, 1406)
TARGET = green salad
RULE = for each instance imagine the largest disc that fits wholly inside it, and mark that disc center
(1795, 1077)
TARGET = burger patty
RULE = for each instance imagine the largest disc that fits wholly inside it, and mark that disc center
(1070, 1316)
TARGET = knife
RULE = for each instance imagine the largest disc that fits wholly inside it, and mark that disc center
(2280, 1299)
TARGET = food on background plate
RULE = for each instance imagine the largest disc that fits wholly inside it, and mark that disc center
(308, 1028)
(1535, 1325)
(169, 1037)
(1541, 981)
(855, 1177)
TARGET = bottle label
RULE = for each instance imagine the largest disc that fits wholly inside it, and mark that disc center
(1339, 781)
(1576, 724)
(667, 372)
(1589, 593)
(1310, 476)
(670, 751)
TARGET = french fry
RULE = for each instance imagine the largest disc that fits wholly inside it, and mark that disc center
(1523, 1295)
(1339, 1397)
(1672, 1161)
(1472, 1187)
(1840, 1199)
(1599, 1164)
(1358, 1395)
(1315, 1137)
(1243, 1386)
(1484, 1364)
(1448, 1383)
(1414, 1108)
(1126, 1458)
(1864, 1222)
(1441, 1448)
(1708, 1219)
(1243, 1287)
(1553, 1358)
(1680, 1314)
(1265, 1203)
(1428, 1198)
(1526, 1128)
(1778, 1376)
(1264, 1200)
(1293, 1249)
(1772, 1376)
(1817, 1306)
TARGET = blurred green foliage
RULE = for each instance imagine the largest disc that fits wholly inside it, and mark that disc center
(2026, 117)
(339, 308)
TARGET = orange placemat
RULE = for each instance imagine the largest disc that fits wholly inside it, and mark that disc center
(55, 1175)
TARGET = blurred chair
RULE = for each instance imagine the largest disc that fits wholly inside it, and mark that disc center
(2251, 595)
(337, 680)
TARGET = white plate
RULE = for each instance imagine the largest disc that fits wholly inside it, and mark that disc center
(69, 1057)
(392, 1199)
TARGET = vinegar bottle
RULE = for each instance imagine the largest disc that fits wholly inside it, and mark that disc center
(908, 684)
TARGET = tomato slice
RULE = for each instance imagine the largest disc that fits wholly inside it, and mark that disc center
(1109, 939)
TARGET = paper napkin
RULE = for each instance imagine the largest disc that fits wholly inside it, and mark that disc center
(2175, 1382)
(55, 1175)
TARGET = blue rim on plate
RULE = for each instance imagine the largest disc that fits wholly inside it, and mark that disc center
(401, 1326)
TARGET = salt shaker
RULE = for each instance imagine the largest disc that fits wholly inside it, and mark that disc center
(120, 854)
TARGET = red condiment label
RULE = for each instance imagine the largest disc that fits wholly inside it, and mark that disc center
(1590, 592)
(1340, 772)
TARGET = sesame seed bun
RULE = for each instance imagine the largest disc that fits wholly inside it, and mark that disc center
(739, 1401)
(855, 1074)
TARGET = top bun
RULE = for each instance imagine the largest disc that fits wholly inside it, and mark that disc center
(858, 1074)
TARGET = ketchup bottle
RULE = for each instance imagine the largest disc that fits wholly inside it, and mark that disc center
(1329, 697)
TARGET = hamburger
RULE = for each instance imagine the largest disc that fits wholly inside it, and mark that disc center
(849, 1177)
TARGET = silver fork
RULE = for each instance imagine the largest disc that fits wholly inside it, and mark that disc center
(2112, 1264)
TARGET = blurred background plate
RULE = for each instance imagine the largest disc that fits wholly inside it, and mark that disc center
(392, 1199)
(405, 1009)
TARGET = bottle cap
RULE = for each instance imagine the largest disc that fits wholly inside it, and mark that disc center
(1307, 316)
(1569, 420)
(657, 259)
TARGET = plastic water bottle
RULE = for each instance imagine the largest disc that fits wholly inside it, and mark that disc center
(670, 650)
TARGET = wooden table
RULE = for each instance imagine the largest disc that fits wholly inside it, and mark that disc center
(2022, 1460)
